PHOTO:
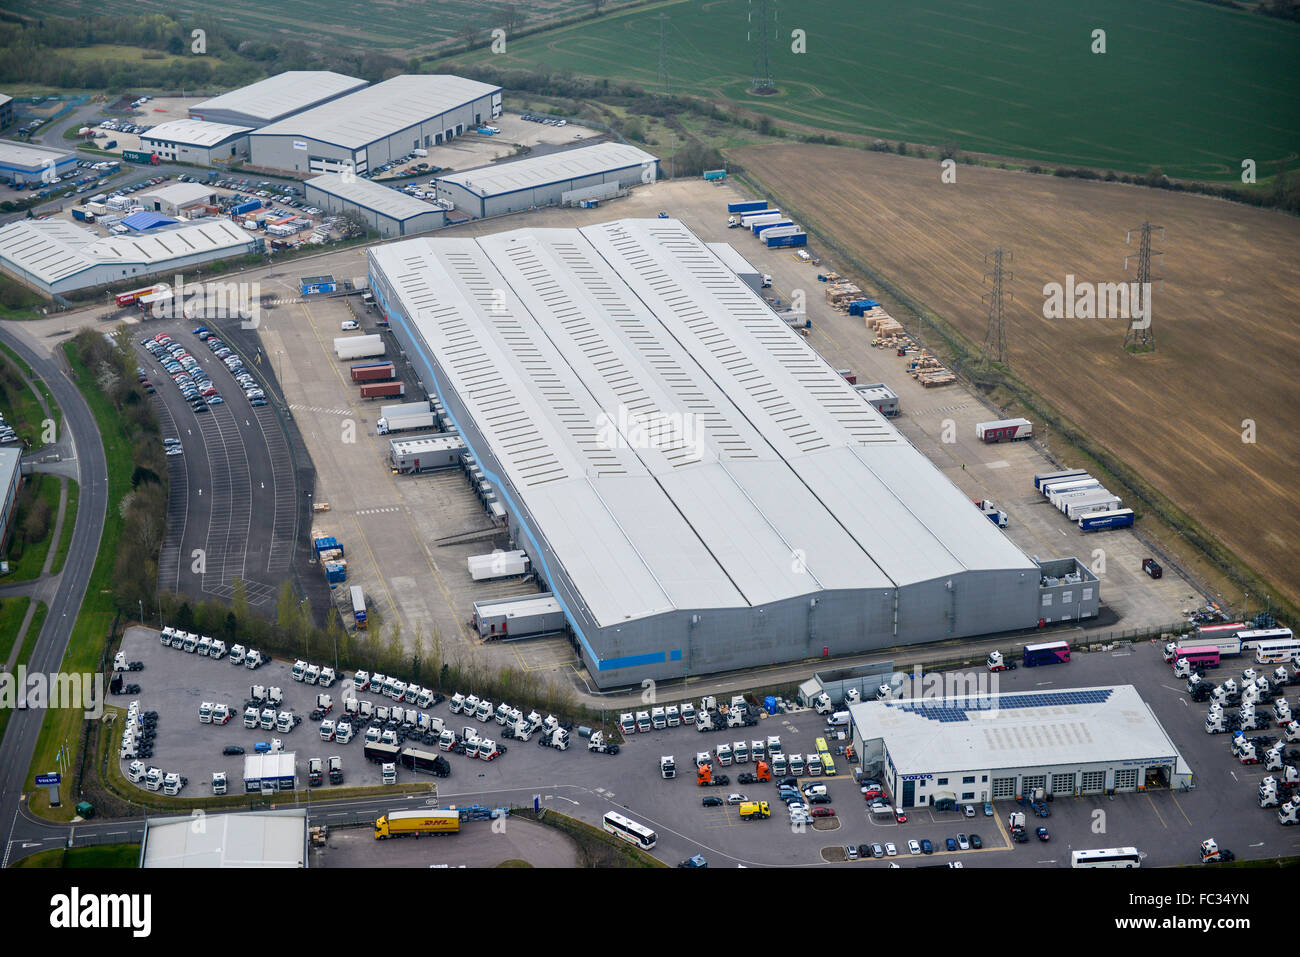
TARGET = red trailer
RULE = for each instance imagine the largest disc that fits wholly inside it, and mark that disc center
(383, 390)
(373, 372)
(128, 298)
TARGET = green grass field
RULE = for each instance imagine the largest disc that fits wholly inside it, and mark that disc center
(24, 653)
(1185, 86)
(12, 611)
(391, 27)
(27, 565)
(69, 521)
(106, 855)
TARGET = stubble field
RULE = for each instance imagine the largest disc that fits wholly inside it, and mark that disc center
(1226, 316)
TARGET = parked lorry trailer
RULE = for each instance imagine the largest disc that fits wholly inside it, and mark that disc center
(405, 417)
(1112, 518)
(373, 372)
(1043, 478)
(1053, 489)
(754, 224)
(359, 347)
(417, 760)
(498, 564)
(415, 823)
(379, 753)
(1004, 430)
(383, 390)
(749, 219)
(358, 606)
(1102, 501)
(792, 239)
(747, 206)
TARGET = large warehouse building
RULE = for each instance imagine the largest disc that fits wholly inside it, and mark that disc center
(250, 839)
(543, 180)
(275, 98)
(380, 123)
(57, 257)
(196, 141)
(20, 163)
(970, 747)
(388, 211)
(11, 460)
(696, 486)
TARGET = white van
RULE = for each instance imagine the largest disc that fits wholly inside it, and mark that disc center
(350, 325)
(839, 719)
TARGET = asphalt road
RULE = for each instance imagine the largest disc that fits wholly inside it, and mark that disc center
(24, 726)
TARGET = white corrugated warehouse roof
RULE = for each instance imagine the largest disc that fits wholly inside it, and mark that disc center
(380, 199)
(282, 94)
(539, 171)
(255, 839)
(733, 259)
(1014, 730)
(52, 250)
(21, 154)
(360, 118)
(777, 479)
(180, 194)
(194, 132)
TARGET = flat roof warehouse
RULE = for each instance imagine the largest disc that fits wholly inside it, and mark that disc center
(379, 199)
(775, 514)
(504, 178)
(276, 97)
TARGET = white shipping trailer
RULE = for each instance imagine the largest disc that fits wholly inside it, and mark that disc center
(359, 347)
(749, 218)
(1103, 502)
(498, 564)
(1065, 484)
(1071, 488)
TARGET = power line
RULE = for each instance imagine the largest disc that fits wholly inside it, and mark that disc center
(995, 339)
(763, 81)
(1142, 334)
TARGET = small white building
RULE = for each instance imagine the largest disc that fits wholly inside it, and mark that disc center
(543, 180)
(250, 839)
(21, 163)
(390, 212)
(971, 745)
(197, 141)
(175, 199)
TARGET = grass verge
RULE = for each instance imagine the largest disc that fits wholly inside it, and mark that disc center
(25, 653)
(69, 522)
(95, 619)
(596, 848)
(29, 562)
(12, 611)
(105, 855)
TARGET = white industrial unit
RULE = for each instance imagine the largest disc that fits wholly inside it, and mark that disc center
(174, 199)
(250, 839)
(520, 617)
(543, 180)
(752, 509)
(270, 772)
(21, 163)
(971, 745)
(389, 212)
(373, 126)
(880, 397)
(196, 141)
(425, 453)
(56, 256)
(276, 97)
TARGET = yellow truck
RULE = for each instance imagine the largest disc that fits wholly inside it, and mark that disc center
(415, 823)
(754, 811)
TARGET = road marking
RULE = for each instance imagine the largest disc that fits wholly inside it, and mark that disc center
(1180, 809)
(1000, 464)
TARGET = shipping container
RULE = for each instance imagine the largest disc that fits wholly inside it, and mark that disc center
(714, 174)
(247, 206)
(373, 372)
(1004, 430)
(747, 206)
(759, 228)
(1112, 518)
(383, 390)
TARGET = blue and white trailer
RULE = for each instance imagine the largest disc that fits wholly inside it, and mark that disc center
(796, 239)
(1114, 518)
(1045, 477)
(758, 227)
(748, 206)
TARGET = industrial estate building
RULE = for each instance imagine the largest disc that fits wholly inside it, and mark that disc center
(387, 211)
(175, 198)
(10, 475)
(275, 98)
(595, 172)
(738, 264)
(696, 487)
(6, 110)
(196, 141)
(56, 256)
(20, 163)
(250, 839)
(973, 747)
(377, 124)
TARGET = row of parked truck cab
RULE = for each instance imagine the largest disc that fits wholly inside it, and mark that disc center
(313, 674)
(204, 646)
(395, 688)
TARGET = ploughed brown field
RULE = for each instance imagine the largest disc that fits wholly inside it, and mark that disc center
(1226, 318)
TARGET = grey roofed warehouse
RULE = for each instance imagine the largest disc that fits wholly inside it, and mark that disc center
(276, 97)
(390, 212)
(698, 488)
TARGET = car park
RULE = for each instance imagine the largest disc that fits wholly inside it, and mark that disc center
(913, 847)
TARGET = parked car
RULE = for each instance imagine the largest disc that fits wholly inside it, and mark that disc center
(988, 809)
(877, 850)
(975, 841)
(950, 843)
(969, 810)
(1043, 835)
(232, 749)
(913, 847)
(823, 812)
(851, 851)
(926, 846)
(712, 802)
(735, 798)
(891, 850)
(963, 842)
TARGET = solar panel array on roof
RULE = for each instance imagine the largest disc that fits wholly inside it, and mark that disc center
(947, 710)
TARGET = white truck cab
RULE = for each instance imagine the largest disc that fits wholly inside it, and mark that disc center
(626, 723)
(236, 654)
(299, 670)
(191, 642)
(342, 732)
(446, 739)
(204, 646)
(688, 713)
(135, 771)
(658, 719)
(327, 677)
(457, 703)
(724, 755)
(471, 705)
(220, 714)
(268, 719)
(361, 680)
(673, 715)
(312, 674)
(218, 782)
(205, 712)
(218, 649)
(250, 717)
(372, 734)
(667, 767)
(166, 635)
(425, 698)
(252, 659)
(390, 773)
(484, 710)
(284, 722)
